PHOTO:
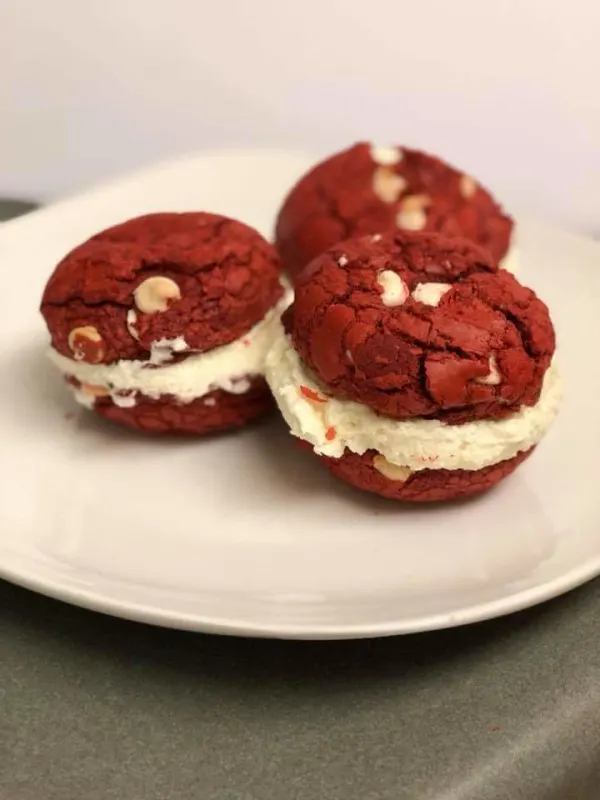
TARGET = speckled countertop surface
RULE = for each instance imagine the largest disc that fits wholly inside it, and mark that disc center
(98, 708)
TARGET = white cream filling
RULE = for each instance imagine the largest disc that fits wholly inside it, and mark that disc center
(334, 425)
(227, 367)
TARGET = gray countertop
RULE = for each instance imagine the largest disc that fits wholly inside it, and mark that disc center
(93, 708)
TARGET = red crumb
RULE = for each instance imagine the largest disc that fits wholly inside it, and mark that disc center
(330, 434)
(310, 394)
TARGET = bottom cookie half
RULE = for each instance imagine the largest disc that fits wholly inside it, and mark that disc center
(213, 413)
(427, 485)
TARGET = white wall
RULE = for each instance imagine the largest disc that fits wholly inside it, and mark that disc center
(505, 88)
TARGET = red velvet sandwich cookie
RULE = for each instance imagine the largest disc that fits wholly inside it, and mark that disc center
(414, 366)
(163, 322)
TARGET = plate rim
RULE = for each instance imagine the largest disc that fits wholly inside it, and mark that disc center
(203, 623)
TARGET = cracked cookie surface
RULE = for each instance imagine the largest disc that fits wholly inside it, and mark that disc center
(159, 277)
(419, 325)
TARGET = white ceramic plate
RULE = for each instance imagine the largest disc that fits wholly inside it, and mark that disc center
(247, 534)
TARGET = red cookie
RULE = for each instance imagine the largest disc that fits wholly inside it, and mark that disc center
(424, 486)
(215, 412)
(371, 190)
(143, 316)
(419, 325)
(415, 367)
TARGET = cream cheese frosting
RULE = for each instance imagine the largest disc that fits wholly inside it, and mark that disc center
(227, 367)
(331, 425)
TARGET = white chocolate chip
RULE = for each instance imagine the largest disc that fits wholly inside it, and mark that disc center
(395, 291)
(468, 186)
(155, 294)
(376, 237)
(430, 294)
(386, 156)
(494, 377)
(387, 185)
(342, 261)
(80, 337)
(130, 323)
(412, 216)
(210, 401)
(394, 472)
(411, 220)
(415, 202)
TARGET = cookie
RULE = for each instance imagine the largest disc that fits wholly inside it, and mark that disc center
(368, 189)
(163, 322)
(413, 353)
(422, 486)
(420, 325)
